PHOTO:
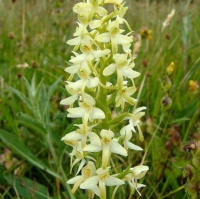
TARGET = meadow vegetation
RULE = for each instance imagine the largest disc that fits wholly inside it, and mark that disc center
(34, 163)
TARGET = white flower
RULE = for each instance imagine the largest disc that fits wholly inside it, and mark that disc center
(134, 120)
(87, 172)
(123, 67)
(83, 10)
(96, 8)
(86, 111)
(86, 11)
(78, 153)
(102, 178)
(114, 35)
(79, 134)
(88, 54)
(76, 88)
(134, 174)
(127, 135)
(137, 172)
(81, 35)
(74, 92)
(85, 81)
(106, 145)
(124, 95)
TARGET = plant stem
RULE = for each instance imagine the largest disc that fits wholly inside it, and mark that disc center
(172, 192)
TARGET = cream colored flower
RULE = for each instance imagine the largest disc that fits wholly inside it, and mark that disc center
(114, 35)
(87, 172)
(123, 66)
(134, 120)
(106, 145)
(88, 55)
(103, 179)
(86, 111)
(124, 95)
(127, 135)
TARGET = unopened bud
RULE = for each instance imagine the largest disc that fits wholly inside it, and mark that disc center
(196, 161)
(190, 147)
(166, 102)
(167, 36)
(144, 63)
(166, 83)
(193, 85)
(170, 68)
(189, 172)
(35, 64)
(11, 35)
(193, 189)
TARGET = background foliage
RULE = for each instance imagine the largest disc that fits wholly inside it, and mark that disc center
(34, 162)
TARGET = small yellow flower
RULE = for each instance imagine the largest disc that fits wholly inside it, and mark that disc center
(170, 68)
(193, 85)
(146, 33)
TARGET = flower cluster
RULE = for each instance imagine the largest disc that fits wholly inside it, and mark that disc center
(101, 86)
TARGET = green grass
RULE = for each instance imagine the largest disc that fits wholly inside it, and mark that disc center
(32, 122)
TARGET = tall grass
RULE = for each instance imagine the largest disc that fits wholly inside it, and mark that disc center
(32, 122)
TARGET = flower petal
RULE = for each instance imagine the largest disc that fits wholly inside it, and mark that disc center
(74, 41)
(73, 180)
(101, 53)
(92, 148)
(75, 112)
(94, 139)
(90, 183)
(105, 37)
(118, 149)
(128, 72)
(109, 70)
(72, 136)
(139, 169)
(97, 113)
(78, 59)
(95, 24)
(139, 109)
(121, 39)
(69, 100)
(134, 147)
(72, 69)
(113, 181)
(93, 82)
(83, 161)
(101, 11)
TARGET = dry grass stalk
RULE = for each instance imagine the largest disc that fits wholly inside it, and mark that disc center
(168, 19)
(137, 45)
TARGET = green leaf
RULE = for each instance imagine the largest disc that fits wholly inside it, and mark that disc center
(124, 173)
(14, 144)
(28, 88)
(118, 119)
(30, 122)
(27, 188)
(189, 110)
(49, 94)
(180, 120)
(21, 96)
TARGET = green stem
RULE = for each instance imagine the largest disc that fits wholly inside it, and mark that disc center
(103, 97)
(172, 192)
